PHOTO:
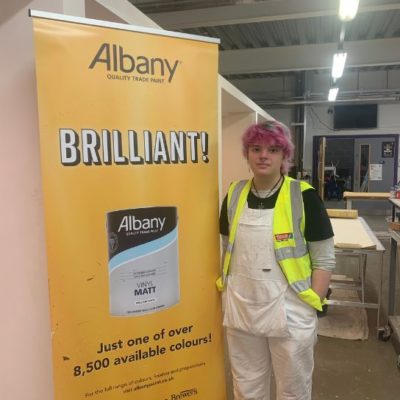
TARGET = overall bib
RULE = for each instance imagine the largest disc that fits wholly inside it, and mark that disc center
(268, 325)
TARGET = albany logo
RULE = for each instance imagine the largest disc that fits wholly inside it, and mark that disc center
(116, 59)
(283, 237)
(184, 394)
(130, 223)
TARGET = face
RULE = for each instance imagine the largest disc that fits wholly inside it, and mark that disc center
(265, 160)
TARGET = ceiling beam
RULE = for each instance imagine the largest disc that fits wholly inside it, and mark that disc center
(124, 10)
(261, 11)
(362, 53)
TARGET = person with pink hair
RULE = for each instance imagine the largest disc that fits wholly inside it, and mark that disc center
(278, 258)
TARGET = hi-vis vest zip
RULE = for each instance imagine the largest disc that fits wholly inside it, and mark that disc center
(288, 236)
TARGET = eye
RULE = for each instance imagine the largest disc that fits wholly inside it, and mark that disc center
(255, 149)
(274, 149)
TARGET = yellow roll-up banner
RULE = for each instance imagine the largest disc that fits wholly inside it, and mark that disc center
(128, 136)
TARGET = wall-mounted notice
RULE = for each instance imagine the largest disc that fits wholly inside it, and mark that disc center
(128, 129)
(375, 172)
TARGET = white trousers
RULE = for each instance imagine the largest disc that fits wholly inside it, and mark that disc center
(253, 359)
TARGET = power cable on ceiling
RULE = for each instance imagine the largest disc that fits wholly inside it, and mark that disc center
(318, 118)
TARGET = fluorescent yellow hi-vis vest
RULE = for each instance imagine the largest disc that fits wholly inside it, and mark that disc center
(288, 236)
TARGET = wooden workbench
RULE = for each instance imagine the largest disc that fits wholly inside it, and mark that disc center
(349, 196)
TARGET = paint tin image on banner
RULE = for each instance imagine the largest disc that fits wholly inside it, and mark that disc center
(143, 261)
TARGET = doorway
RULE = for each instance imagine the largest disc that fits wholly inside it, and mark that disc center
(355, 163)
(363, 168)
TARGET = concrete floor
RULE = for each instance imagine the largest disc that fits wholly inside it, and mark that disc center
(355, 369)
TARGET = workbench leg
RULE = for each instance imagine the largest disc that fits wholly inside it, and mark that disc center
(378, 317)
(392, 275)
(363, 271)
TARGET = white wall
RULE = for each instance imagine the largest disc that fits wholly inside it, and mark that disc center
(320, 122)
(234, 164)
(237, 113)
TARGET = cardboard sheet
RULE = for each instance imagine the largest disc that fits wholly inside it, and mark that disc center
(351, 234)
(344, 322)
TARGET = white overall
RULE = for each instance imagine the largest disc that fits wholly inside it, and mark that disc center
(268, 326)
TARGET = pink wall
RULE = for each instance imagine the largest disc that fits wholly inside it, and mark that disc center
(25, 368)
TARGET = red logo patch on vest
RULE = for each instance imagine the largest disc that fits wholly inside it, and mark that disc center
(282, 237)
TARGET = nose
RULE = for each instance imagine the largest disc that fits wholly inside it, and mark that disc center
(264, 153)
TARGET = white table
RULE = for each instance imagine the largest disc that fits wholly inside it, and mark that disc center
(351, 249)
(394, 320)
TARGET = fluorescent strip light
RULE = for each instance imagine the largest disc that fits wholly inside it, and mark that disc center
(348, 9)
(339, 59)
(333, 93)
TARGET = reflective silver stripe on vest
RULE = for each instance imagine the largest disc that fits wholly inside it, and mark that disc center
(301, 286)
(290, 252)
(235, 200)
(229, 247)
(300, 248)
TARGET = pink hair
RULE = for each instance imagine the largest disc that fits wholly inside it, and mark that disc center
(271, 133)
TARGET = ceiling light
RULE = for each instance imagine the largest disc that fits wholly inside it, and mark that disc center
(348, 9)
(339, 59)
(333, 93)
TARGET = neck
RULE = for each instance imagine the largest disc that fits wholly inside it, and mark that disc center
(266, 182)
